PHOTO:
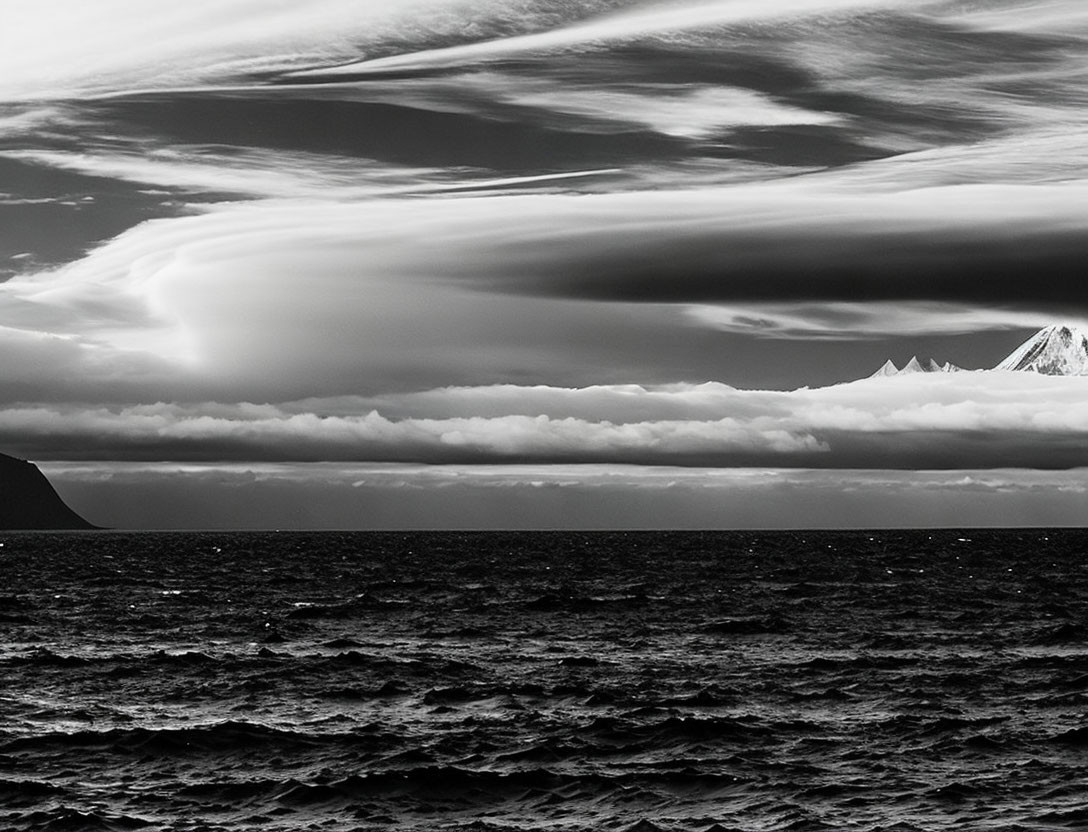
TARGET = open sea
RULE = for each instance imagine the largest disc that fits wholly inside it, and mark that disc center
(906, 680)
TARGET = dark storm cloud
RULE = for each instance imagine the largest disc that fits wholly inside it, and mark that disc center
(1020, 265)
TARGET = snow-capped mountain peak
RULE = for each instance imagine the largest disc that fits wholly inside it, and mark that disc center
(1057, 350)
(915, 365)
(887, 369)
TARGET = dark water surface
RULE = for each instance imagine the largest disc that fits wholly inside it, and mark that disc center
(747, 681)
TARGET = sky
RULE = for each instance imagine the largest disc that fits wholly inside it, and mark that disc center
(543, 263)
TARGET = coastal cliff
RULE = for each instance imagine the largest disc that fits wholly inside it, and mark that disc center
(28, 501)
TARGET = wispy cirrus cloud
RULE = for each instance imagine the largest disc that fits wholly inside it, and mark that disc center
(67, 48)
(639, 21)
(858, 320)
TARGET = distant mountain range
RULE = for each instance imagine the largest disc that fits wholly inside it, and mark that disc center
(1056, 350)
(915, 365)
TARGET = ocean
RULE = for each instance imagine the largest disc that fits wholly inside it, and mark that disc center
(906, 680)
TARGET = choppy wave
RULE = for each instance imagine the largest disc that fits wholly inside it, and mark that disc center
(551, 680)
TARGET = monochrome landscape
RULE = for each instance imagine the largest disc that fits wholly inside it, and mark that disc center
(544, 415)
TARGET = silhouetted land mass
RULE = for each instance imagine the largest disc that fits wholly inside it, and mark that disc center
(28, 501)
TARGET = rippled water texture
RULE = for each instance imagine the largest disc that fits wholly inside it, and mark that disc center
(885, 680)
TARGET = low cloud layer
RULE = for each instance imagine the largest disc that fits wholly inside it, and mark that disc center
(964, 420)
(377, 496)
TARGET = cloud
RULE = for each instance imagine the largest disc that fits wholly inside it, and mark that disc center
(61, 48)
(399, 293)
(488, 244)
(685, 110)
(965, 420)
(66, 48)
(966, 244)
(209, 172)
(473, 285)
(384, 496)
(857, 320)
(245, 171)
(265, 432)
(1052, 149)
(1059, 17)
(630, 23)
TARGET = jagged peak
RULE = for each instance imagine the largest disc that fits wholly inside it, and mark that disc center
(1060, 349)
(915, 365)
(888, 368)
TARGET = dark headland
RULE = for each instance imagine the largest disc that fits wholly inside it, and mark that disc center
(29, 502)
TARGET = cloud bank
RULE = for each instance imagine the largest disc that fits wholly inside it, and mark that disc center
(377, 496)
(965, 420)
